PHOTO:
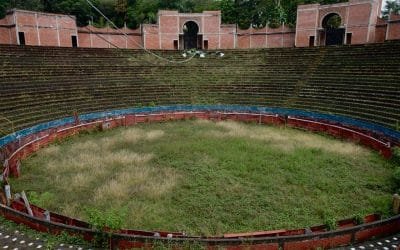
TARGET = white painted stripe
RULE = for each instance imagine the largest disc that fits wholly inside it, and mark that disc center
(343, 128)
(251, 114)
(29, 143)
(78, 126)
(174, 113)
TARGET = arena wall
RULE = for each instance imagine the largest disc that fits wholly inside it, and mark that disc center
(359, 18)
(349, 231)
(92, 37)
(42, 29)
(393, 28)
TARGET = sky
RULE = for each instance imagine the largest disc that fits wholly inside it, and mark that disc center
(383, 4)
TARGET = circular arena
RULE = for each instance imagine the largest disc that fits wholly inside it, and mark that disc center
(351, 93)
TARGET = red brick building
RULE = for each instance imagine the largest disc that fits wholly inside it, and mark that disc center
(393, 28)
(42, 29)
(357, 23)
(354, 22)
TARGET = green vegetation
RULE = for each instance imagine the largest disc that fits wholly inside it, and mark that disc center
(111, 220)
(396, 162)
(392, 6)
(333, 22)
(98, 80)
(207, 178)
(134, 12)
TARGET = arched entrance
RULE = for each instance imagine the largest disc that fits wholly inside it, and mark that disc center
(191, 37)
(334, 34)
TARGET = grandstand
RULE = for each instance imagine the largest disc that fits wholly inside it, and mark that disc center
(41, 84)
(355, 86)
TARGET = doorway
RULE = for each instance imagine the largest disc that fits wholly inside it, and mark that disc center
(21, 38)
(74, 41)
(334, 33)
(191, 36)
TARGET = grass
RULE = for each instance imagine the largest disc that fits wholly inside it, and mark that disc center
(208, 178)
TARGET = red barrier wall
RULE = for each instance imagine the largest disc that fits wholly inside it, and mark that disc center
(318, 236)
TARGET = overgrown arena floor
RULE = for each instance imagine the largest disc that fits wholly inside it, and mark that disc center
(207, 178)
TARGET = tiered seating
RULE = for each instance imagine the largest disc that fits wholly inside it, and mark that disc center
(361, 82)
(40, 84)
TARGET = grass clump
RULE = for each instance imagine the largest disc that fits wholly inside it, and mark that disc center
(105, 223)
(396, 162)
(208, 178)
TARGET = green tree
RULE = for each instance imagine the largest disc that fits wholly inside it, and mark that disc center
(78, 8)
(202, 5)
(35, 5)
(3, 8)
(229, 11)
(143, 11)
(391, 7)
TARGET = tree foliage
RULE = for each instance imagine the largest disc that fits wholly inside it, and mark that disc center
(392, 7)
(246, 13)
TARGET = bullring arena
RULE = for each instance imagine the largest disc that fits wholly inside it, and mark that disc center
(204, 114)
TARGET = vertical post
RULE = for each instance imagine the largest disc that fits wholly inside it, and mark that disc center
(37, 29)
(5, 164)
(237, 25)
(144, 37)
(396, 204)
(58, 32)
(76, 118)
(90, 33)
(178, 31)
(16, 27)
(108, 35)
(126, 35)
(46, 215)
(369, 23)
(9, 35)
(26, 202)
(159, 32)
(219, 31)
(266, 35)
(7, 191)
(388, 27)
(17, 168)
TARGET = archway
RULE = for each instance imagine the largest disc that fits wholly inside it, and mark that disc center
(334, 34)
(190, 36)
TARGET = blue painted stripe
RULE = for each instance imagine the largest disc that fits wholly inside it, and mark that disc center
(347, 121)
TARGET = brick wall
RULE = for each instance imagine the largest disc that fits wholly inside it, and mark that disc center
(380, 30)
(92, 37)
(228, 37)
(6, 27)
(307, 24)
(151, 36)
(393, 30)
(266, 37)
(168, 23)
(359, 18)
(43, 29)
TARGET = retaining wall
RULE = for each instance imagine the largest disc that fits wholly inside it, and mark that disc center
(21, 144)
